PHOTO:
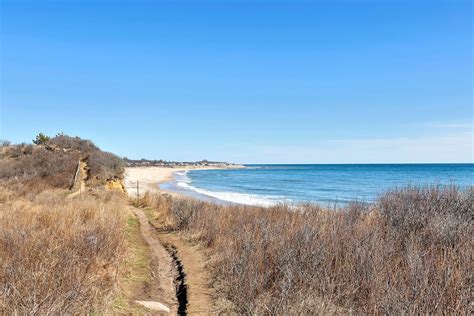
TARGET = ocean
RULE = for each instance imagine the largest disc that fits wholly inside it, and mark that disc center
(325, 184)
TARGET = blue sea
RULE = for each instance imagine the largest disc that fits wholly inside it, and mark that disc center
(324, 184)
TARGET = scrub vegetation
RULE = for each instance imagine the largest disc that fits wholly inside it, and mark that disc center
(410, 252)
(29, 169)
(58, 254)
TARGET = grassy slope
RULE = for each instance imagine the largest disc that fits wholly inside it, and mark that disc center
(78, 255)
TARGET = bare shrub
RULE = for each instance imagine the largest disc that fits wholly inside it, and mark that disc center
(76, 143)
(411, 209)
(59, 256)
(55, 169)
(18, 151)
(407, 253)
(184, 212)
(5, 142)
(104, 166)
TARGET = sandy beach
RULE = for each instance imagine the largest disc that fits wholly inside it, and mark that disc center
(150, 178)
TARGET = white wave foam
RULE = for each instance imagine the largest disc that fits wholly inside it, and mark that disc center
(182, 176)
(183, 181)
(235, 197)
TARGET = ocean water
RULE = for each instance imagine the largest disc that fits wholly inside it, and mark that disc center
(324, 184)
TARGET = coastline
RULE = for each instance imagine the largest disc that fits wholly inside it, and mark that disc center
(325, 185)
(150, 178)
(156, 179)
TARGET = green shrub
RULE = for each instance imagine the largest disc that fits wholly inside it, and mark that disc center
(40, 139)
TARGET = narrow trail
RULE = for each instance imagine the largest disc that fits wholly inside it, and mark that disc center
(162, 263)
(180, 278)
(182, 273)
(83, 170)
(197, 279)
(191, 264)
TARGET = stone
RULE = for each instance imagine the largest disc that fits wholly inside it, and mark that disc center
(155, 306)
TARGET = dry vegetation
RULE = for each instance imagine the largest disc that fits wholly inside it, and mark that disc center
(30, 169)
(410, 252)
(58, 255)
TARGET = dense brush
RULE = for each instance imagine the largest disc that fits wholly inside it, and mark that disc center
(410, 252)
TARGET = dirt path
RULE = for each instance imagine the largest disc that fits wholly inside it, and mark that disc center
(197, 280)
(185, 281)
(83, 176)
(162, 263)
(180, 279)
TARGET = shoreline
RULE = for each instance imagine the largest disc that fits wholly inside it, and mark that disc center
(150, 178)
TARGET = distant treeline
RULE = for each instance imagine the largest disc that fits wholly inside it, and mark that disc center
(164, 163)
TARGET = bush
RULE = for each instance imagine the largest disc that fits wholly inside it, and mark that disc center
(413, 208)
(18, 151)
(4, 143)
(55, 164)
(40, 139)
(409, 253)
(26, 165)
(104, 166)
(76, 143)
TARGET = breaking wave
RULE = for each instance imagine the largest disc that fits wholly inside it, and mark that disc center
(184, 182)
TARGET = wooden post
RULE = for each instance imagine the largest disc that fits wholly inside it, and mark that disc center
(138, 193)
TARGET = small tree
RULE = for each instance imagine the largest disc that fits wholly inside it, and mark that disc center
(40, 139)
(4, 142)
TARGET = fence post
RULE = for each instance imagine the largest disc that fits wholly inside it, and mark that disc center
(138, 193)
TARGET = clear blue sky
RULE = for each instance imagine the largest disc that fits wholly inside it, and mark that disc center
(243, 81)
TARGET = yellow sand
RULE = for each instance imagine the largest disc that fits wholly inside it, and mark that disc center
(149, 178)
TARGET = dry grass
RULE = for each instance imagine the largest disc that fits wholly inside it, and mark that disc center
(57, 255)
(35, 168)
(410, 252)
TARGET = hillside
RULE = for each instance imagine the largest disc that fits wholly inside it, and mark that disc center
(60, 253)
(52, 164)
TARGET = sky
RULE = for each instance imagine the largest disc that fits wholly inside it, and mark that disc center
(243, 81)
